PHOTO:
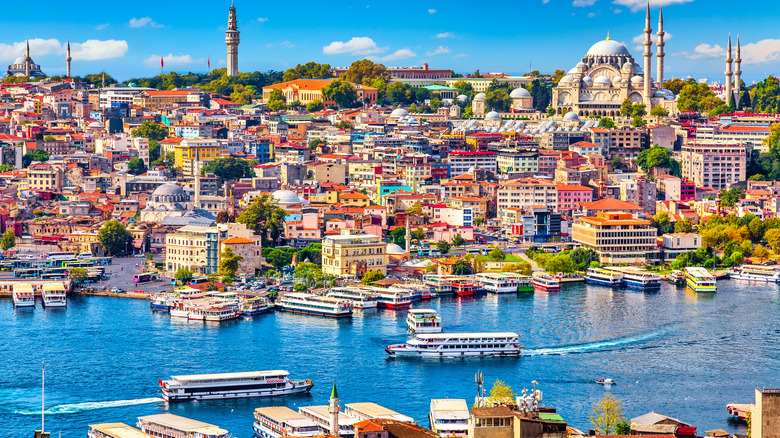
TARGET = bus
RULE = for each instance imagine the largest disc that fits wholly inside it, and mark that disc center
(54, 276)
(79, 264)
(61, 255)
(146, 277)
(199, 280)
(99, 260)
(27, 272)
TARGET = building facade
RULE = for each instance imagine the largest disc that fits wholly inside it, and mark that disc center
(353, 253)
(618, 238)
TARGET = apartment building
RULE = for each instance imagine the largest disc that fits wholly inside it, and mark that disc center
(524, 163)
(464, 161)
(715, 166)
(193, 247)
(525, 192)
(618, 238)
(190, 151)
(353, 253)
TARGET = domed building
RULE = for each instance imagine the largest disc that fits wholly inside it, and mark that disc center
(167, 200)
(608, 74)
(286, 198)
(478, 105)
(493, 119)
(521, 100)
(24, 66)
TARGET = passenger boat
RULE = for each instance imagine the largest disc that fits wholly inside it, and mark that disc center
(54, 295)
(700, 280)
(361, 298)
(308, 304)
(449, 417)
(254, 306)
(162, 302)
(418, 291)
(173, 426)
(462, 286)
(547, 281)
(393, 299)
(504, 283)
(232, 385)
(423, 321)
(606, 381)
(279, 421)
(603, 277)
(222, 311)
(321, 415)
(635, 278)
(438, 285)
(759, 273)
(458, 345)
(676, 277)
(23, 295)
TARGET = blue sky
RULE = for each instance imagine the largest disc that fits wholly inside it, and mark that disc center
(128, 39)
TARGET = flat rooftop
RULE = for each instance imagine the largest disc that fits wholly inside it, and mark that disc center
(183, 424)
(373, 410)
(449, 408)
(226, 376)
(118, 430)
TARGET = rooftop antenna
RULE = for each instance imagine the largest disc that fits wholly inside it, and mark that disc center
(480, 380)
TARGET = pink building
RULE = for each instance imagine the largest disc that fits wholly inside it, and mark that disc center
(570, 196)
(306, 228)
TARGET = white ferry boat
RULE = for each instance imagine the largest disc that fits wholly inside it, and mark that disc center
(636, 278)
(504, 283)
(700, 280)
(449, 417)
(546, 282)
(23, 295)
(437, 283)
(279, 421)
(254, 306)
(394, 299)
(603, 277)
(162, 302)
(459, 345)
(423, 321)
(222, 311)
(361, 298)
(759, 273)
(309, 304)
(54, 295)
(417, 290)
(174, 426)
(232, 385)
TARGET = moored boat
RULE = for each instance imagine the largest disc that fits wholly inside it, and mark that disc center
(462, 286)
(757, 273)
(439, 287)
(222, 311)
(393, 299)
(504, 283)
(54, 295)
(449, 417)
(281, 421)
(700, 280)
(232, 385)
(23, 295)
(162, 302)
(173, 426)
(546, 281)
(458, 345)
(636, 278)
(676, 277)
(308, 304)
(361, 298)
(603, 277)
(423, 321)
(254, 306)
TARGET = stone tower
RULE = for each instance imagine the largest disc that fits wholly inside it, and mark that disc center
(333, 410)
(67, 60)
(648, 59)
(660, 44)
(408, 234)
(737, 76)
(27, 60)
(729, 74)
(232, 39)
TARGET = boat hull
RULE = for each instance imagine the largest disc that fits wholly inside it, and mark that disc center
(224, 395)
(450, 354)
(24, 304)
(424, 330)
(756, 278)
(633, 284)
(314, 312)
(160, 307)
(57, 303)
(603, 282)
(547, 286)
(394, 306)
(699, 289)
(255, 312)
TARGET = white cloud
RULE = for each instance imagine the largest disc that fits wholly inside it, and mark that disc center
(544, 2)
(638, 5)
(431, 11)
(767, 50)
(445, 35)
(101, 26)
(262, 19)
(398, 54)
(172, 60)
(355, 46)
(461, 55)
(285, 43)
(638, 41)
(591, 14)
(618, 11)
(143, 22)
(94, 50)
(582, 3)
(441, 50)
(704, 51)
(90, 50)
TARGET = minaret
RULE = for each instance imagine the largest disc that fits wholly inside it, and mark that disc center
(660, 44)
(648, 58)
(729, 76)
(67, 60)
(333, 410)
(408, 234)
(27, 60)
(737, 75)
(232, 40)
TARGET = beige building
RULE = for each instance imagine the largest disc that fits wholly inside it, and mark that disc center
(44, 176)
(525, 192)
(478, 206)
(765, 414)
(353, 253)
(618, 238)
(491, 422)
(249, 249)
(715, 166)
(193, 247)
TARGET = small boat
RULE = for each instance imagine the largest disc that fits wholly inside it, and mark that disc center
(462, 286)
(676, 278)
(504, 283)
(603, 277)
(700, 280)
(309, 304)
(393, 299)
(606, 381)
(361, 298)
(254, 306)
(54, 295)
(162, 302)
(757, 273)
(23, 296)
(438, 284)
(547, 282)
(635, 278)
(423, 321)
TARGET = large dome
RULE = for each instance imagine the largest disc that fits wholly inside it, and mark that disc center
(519, 92)
(394, 249)
(492, 116)
(480, 96)
(399, 112)
(19, 61)
(608, 48)
(284, 197)
(168, 189)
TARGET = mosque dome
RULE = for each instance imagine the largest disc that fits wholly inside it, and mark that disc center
(480, 96)
(492, 116)
(617, 80)
(565, 80)
(462, 98)
(19, 60)
(287, 197)
(637, 80)
(399, 112)
(587, 80)
(394, 249)
(602, 80)
(582, 65)
(571, 116)
(95, 125)
(519, 92)
(608, 48)
(170, 194)
(168, 189)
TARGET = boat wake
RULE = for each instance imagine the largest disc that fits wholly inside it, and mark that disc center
(74, 408)
(594, 346)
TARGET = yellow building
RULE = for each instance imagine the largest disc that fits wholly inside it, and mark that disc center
(193, 247)
(191, 150)
(43, 176)
(355, 199)
(616, 237)
(477, 205)
(329, 197)
(353, 253)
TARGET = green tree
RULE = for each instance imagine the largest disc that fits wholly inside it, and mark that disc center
(662, 223)
(498, 99)
(443, 246)
(658, 156)
(683, 226)
(675, 85)
(582, 258)
(365, 72)
(607, 414)
(341, 92)
(496, 255)
(462, 267)
(501, 393)
(761, 253)
(606, 122)
(773, 239)
(276, 101)
(8, 240)
(638, 122)
(623, 428)
(151, 131)
(559, 263)
(114, 237)
(243, 95)
(265, 217)
(729, 197)
(766, 96)
(464, 88)
(136, 166)
(229, 168)
(34, 155)
(418, 234)
(310, 70)
(697, 97)
(523, 268)
(229, 262)
(371, 276)
(422, 94)
(398, 235)
(626, 108)
(78, 274)
(300, 287)
(557, 75)
(6, 168)
(458, 240)
(435, 103)
(399, 93)
(659, 111)
(315, 106)
(183, 275)
(279, 257)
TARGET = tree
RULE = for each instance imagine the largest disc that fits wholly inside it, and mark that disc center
(265, 217)
(659, 111)
(229, 168)
(458, 240)
(418, 234)
(151, 131)
(638, 122)
(341, 92)
(399, 93)
(462, 267)
(436, 103)
(729, 197)
(422, 94)
(683, 226)
(276, 101)
(444, 247)
(697, 97)
(464, 88)
(310, 70)
(662, 223)
(606, 122)
(675, 85)
(773, 238)
(114, 237)
(398, 235)
(498, 99)
(34, 155)
(136, 166)
(501, 393)
(8, 240)
(559, 263)
(315, 106)
(365, 72)
(623, 428)
(658, 156)
(616, 162)
(6, 168)
(279, 257)
(626, 108)
(607, 413)
(78, 274)
(496, 255)
(243, 95)
(557, 75)
(300, 287)
(371, 276)
(582, 258)
(761, 253)
(523, 268)
(766, 96)
(229, 262)
(183, 275)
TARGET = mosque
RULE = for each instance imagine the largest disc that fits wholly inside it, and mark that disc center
(608, 75)
(25, 66)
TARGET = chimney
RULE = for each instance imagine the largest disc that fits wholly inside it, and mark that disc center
(425, 66)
